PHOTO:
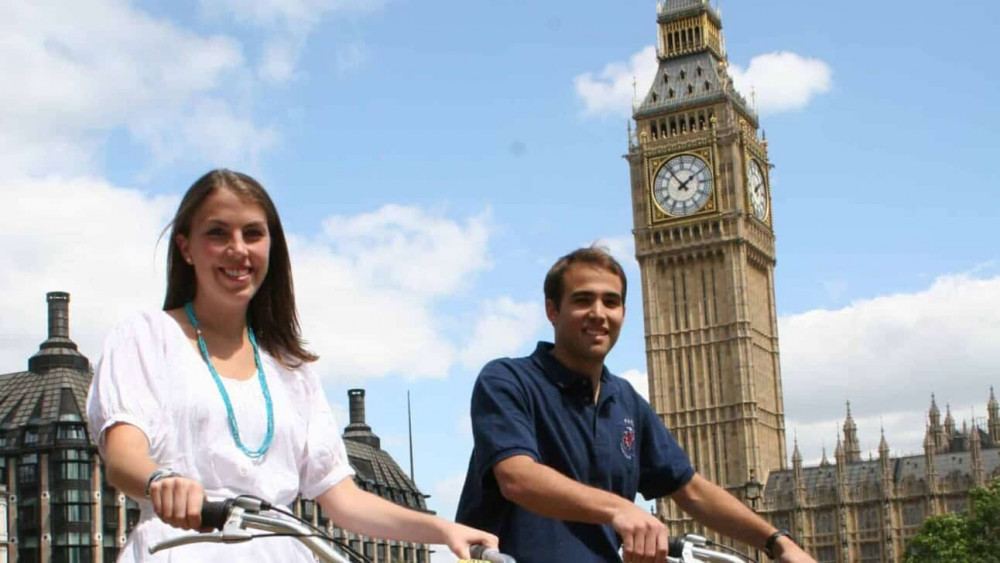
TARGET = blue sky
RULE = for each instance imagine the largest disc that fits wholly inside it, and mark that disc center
(431, 159)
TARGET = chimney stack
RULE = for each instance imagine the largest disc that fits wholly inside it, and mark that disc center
(58, 314)
(58, 350)
(357, 399)
(357, 430)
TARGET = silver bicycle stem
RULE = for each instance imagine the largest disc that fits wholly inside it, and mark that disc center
(695, 550)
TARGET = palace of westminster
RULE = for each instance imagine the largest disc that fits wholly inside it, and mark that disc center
(701, 204)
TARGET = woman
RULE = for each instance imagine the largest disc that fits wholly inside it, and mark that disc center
(214, 395)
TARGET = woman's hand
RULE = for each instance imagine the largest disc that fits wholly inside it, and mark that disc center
(177, 501)
(460, 539)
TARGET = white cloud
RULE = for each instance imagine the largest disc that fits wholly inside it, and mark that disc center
(97, 241)
(611, 90)
(293, 14)
(503, 328)
(887, 355)
(74, 74)
(369, 289)
(287, 25)
(639, 381)
(782, 81)
(623, 249)
(408, 248)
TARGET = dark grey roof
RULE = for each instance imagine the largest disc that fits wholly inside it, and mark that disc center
(691, 80)
(40, 400)
(866, 473)
(377, 472)
(869, 473)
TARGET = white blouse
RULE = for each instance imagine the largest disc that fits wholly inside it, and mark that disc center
(151, 377)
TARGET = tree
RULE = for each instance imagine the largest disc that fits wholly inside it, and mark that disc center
(941, 538)
(984, 523)
(974, 538)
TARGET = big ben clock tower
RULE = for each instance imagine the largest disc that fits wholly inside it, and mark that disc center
(704, 241)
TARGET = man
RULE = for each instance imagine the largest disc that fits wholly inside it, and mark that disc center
(562, 445)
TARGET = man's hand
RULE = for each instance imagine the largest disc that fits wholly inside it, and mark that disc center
(788, 552)
(644, 537)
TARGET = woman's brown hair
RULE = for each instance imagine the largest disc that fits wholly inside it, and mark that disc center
(271, 313)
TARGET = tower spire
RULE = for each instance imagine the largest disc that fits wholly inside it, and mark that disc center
(936, 430)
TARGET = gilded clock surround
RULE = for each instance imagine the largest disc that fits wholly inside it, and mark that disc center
(657, 213)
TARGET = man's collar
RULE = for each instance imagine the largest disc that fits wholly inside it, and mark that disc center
(566, 379)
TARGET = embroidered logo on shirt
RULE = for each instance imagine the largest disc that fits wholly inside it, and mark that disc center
(628, 438)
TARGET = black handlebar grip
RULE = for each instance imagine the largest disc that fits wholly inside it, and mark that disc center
(676, 546)
(215, 513)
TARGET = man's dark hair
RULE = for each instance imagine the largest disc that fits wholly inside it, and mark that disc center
(592, 256)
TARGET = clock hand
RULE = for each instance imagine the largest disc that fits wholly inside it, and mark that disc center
(671, 172)
(684, 183)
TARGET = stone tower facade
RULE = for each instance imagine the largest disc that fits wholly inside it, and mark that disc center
(705, 246)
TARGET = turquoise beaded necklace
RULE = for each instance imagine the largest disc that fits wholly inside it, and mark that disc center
(234, 429)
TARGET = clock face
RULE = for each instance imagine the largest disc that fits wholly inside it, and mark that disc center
(682, 185)
(757, 190)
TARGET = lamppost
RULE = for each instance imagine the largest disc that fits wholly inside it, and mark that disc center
(751, 492)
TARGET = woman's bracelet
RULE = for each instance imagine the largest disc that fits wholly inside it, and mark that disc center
(159, 474)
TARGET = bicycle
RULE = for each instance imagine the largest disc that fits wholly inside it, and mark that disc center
(234, 517)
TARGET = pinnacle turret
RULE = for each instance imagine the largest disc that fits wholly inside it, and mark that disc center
(929, 439)
(949, 422)
(975, 448)
(883, 446)
(852, 446)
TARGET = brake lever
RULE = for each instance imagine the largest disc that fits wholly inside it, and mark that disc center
(232, 532)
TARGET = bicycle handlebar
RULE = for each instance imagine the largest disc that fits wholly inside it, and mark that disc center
(233, 516)
(692, 548)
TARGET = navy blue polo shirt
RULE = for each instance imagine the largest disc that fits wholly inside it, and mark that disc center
(537, 407)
